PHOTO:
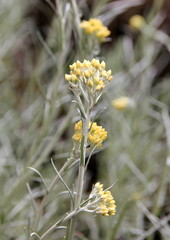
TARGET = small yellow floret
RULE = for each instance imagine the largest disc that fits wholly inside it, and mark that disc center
(86, 74)
(121, 103)
(74, 79)
(78, 72)
(100, 85)
(96, 80)
(137, 22)
(109, 73)
(103, 73)
(67, 77)
(99, 186)
(78, 64)
(78, 126)
(103, 64)
(86, 64)
(90, 83)
(95, 26)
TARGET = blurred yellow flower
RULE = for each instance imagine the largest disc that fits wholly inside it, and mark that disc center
(105, 205)
(96, 134)
(95, 26)
(136, 22)
(90, 74)
(136, 196)
(121, 103)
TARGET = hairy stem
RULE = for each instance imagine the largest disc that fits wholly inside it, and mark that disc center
(82, 168)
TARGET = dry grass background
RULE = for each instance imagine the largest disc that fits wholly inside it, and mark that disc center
(37, 117)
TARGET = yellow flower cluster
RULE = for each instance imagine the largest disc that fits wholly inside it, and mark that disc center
(95, 26)
(106, 205)
(121, 103)
(96, 134)
(136, 22)
(90, 73)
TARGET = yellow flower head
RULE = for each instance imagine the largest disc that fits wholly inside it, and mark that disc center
(105, 205)
(96, 134)
(136, 196)
(95, 26)
(136, 22)
(121, 103)
(91, 75)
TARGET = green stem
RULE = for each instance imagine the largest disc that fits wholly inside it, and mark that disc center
(82, 161)
(69, 227)
(82, 168)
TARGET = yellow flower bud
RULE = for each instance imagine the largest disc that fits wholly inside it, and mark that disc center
(84, 24)
(89, 30)
(90, 83)
(97, 64)
(103, 73)
(67, 77)
(78, 126)
(91, 72)
(121, 103)
(93, 62)
(109, 73)
(103, 64)
(78, 64)
(99, 87)
(95, 27)
(86, 63)
(96, 80)
(100, 35)
(78, 72)
(74, 79)
(137, 22)
(86, 74)
(73, 66)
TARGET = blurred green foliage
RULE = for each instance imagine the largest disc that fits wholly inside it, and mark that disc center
(37, 117)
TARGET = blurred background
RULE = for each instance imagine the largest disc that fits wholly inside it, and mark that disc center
(38, 41)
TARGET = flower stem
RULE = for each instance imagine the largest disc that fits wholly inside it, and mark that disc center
(82, 169)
